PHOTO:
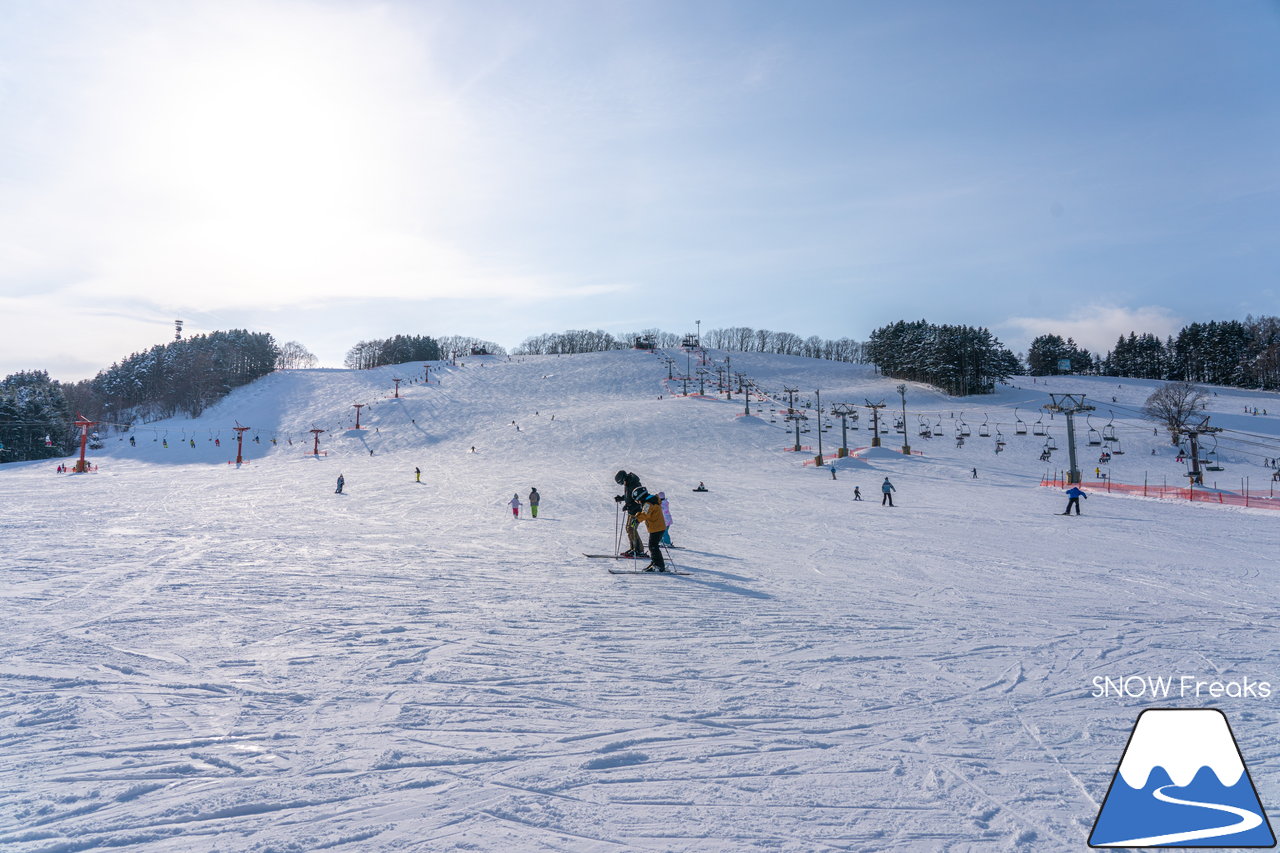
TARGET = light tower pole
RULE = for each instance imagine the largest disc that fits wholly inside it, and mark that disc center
(906, 448)
(818, 403)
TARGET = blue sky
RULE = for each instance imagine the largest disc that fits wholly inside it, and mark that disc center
(337, 171)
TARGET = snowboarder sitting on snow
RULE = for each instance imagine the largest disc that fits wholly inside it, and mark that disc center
(701, 487)
(1073, 499)
(630, 482)
(651, 514)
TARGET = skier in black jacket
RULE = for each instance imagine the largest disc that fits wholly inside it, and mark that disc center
(630, 482)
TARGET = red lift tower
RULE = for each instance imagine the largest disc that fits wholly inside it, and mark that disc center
(316, 432)
(84, 424)
(240, 430)
(357, 407)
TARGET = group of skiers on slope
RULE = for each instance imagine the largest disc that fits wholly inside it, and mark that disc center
(655, 513)
(534, 499)
(651, 510)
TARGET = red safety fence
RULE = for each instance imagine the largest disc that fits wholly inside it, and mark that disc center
(1200, 494)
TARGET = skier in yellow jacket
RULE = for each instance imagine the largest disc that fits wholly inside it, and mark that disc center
(651, 516)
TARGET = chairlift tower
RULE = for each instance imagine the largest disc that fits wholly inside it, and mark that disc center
(240, 431)
(84, 423)
(1069, 405)
(843, 410)
(397, 381)
(315, 451)
(793, 414)
(1193, 432)
(357, 407)
(874, 409)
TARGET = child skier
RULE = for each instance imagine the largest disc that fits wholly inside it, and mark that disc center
(857, 493)
(651, 514)
(514, 503)
(666, 517)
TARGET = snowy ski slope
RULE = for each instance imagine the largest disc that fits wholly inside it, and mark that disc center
(199, 657)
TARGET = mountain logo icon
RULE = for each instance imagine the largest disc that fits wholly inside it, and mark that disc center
(1182, 782)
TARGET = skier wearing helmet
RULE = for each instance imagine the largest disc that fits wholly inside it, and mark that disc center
(631, 505)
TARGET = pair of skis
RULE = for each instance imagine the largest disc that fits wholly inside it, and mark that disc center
(631, 571)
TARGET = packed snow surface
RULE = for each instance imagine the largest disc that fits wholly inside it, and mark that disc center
(199, 656)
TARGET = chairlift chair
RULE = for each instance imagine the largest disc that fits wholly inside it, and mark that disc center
(1095, 437)
(1050, 443)
(1037, 428)
(983, 429)
(1109, 431)
(1019, 425)
(1213, 463)
(1115, 448)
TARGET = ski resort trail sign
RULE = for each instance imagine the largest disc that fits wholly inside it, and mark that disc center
(1182, 782)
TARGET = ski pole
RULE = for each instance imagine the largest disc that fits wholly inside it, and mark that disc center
(617, 529)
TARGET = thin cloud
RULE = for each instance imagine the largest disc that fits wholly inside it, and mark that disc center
(1095, 327)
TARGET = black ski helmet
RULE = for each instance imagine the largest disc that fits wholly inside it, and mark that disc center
(620, 477)
(639, 493)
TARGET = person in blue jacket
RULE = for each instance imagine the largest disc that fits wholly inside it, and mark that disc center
(887, 489)
(1073, 499)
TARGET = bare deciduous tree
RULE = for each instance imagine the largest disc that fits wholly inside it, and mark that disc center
(294, 356)
(1173, 404)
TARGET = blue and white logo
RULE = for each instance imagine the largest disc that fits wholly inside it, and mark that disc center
(1182, 783)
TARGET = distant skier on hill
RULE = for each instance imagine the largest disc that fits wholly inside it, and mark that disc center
(417, 475)
(514, 503)
(857, 493)
(887, 489)
(341, 483)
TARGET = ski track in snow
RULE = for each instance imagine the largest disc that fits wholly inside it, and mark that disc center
(198, 657)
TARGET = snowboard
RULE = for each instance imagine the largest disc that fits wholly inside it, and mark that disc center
(641, 572)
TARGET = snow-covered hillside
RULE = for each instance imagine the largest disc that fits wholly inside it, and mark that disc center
(199, 656)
